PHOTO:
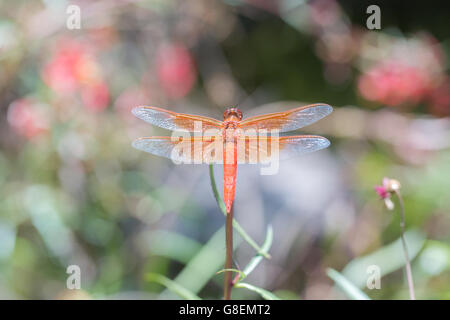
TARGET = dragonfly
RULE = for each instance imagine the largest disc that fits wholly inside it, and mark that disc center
(233, 140)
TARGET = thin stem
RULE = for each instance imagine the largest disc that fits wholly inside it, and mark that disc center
(236, 225)
(228, 282)
(405, 248)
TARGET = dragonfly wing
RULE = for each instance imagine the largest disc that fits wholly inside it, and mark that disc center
(176, 121)
(287, 120)
(187, 150)
(259, 149)
(292, 146)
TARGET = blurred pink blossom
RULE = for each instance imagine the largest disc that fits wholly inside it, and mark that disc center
(382, 190)
(385, 191)
(175, 70)
(393, 84)
(95, 96)
(69, 67)
(403, 71)
(60, 73)
(324, 12)
(25, 118)
(73, 68)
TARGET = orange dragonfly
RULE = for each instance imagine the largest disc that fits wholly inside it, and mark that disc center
(233, 140)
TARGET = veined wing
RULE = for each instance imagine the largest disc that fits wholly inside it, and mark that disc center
(287, 120)
(176, 121)
(187, 150)
(260, 149)
(249, 149)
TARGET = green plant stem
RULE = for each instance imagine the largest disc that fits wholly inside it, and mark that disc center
(405, 248)
(236, 225)
(228, 281)
(257, 259)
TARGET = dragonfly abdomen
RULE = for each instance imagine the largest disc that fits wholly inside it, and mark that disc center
(229, 173)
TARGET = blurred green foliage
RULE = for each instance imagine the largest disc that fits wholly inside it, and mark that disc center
(74, 192)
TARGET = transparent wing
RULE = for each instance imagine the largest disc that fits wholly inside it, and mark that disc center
(187, 150)
(288, 120)
(209, 149)
(175, 121)
(260, 149)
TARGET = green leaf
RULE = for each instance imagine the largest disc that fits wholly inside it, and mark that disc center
(236, 225)
(204, 265)
(262, 292)
(172, 286)
(172, 245)
(388, 258)
(352, 291)
(435, 258)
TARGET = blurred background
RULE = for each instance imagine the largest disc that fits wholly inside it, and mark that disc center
(74, 192)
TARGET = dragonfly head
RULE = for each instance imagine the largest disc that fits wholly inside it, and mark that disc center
(233, 112)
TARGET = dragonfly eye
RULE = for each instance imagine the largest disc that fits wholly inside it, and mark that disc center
(233, 111)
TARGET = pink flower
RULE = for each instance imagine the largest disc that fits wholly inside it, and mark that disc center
(67, 67)
(402, 71)
(95, 97)
(394, 84)
(324, 12)
(25, 118)
(382, 192)
(385, 191)
(74, 69)
(175, 70)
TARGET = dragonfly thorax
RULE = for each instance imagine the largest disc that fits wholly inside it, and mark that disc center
(232, 112)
